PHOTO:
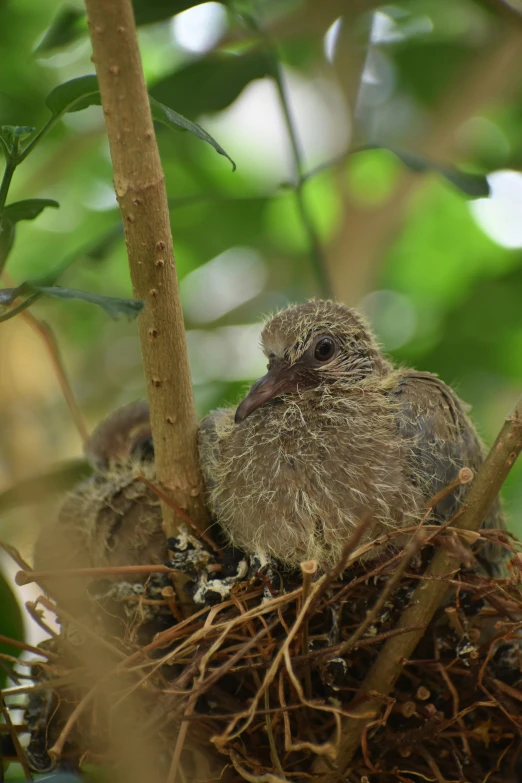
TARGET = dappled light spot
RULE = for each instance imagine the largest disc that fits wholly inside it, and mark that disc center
(229, 280)
(331, 38)
(500, 215)
(231, 353)
(392, 316)
(394, 24)
(199, 28)
(100, 196)
(255, 128)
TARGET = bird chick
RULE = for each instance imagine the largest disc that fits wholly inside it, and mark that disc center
(333, 434)
(111, 518)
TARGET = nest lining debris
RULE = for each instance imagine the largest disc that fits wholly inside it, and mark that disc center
(272, 662)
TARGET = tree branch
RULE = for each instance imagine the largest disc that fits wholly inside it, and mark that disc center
(140, 190)
(429, 593)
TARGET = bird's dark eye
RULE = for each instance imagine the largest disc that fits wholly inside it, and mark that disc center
(325, 349)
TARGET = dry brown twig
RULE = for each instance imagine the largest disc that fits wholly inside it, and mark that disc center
(15, 740)
(53, 349)
(47, 335)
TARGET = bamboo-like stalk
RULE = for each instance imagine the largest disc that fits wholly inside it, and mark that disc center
(140, 190)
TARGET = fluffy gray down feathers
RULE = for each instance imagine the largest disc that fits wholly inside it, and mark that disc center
(357, 438)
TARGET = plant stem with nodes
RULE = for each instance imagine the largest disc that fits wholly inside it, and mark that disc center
(140, 189)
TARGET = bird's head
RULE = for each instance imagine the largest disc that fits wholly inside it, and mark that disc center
(310, 347)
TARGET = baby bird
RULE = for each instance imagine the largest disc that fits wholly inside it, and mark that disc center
(334, 434)
(111, 518)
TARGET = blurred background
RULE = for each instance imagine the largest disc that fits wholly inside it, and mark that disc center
(349, 123)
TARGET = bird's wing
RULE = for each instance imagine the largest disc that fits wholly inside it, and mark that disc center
(441, 440)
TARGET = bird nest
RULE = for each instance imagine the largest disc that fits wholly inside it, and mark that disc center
(268, 677)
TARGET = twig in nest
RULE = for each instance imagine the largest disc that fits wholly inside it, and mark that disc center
(37, 616)
(464, 477)
(338, 569)
(25, 577)
(27, 647)
(169, 594)
(15, 555)
(217, 674)
(412, 548)
(266, 777)
(56, 750)
(15, 740)
(180, 741)
(180, 513)
(81, 626)
(308, 570)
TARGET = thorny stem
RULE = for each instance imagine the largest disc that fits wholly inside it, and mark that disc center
(427, 597)
(140, 189)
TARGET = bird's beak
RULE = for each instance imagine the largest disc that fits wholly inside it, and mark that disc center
(278, 380)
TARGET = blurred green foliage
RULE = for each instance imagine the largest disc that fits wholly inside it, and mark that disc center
(439, 84)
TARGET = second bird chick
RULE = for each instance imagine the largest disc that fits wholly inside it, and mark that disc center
(112, 518)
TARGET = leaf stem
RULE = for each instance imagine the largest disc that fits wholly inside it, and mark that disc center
(316, 253)
(34, 141)
(9, 170)
(53, 349)
(19, 308)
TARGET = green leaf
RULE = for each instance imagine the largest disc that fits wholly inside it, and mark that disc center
(74, 95)
(414, 58)
(151, 11)
(472, 185)
(82, 92)
(113, 306)
(11, 622)
(40, 488)
(68, 25)
(13, 213)
(28, 209)
(169, 117)
(212, 83)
